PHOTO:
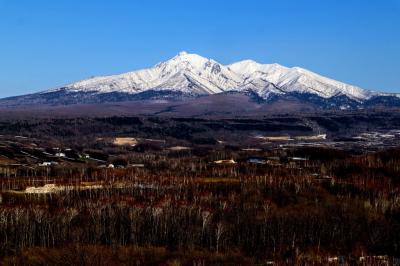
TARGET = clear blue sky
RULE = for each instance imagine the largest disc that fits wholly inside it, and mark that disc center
(48, 43)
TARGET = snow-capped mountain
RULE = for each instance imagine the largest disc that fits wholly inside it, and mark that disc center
(196, 75)
(191, 75)
(187, 73)
(258, 77)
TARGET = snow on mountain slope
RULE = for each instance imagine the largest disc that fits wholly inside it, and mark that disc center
(296, 80)
(185, 72)
(196, 75)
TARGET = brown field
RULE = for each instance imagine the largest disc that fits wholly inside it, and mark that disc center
(124, 141)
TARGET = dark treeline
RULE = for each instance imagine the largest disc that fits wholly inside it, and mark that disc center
(188, 128)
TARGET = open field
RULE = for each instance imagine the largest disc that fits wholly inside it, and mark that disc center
(125, 141)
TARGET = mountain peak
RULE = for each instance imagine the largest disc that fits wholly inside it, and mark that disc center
(184, 61)
(185, 56)
(245, 67)
(182, 53)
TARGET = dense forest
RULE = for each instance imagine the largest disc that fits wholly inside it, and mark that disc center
(210, 203)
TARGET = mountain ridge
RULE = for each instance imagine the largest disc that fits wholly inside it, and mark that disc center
(191, 75)
(185, 71)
